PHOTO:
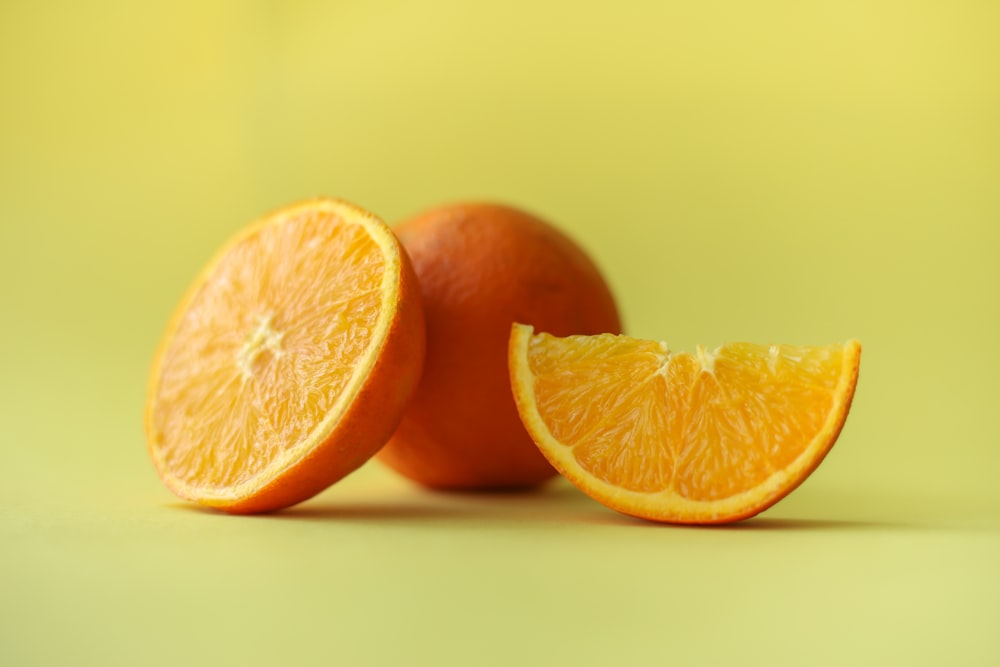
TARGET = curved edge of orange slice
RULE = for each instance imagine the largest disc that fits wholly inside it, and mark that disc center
(365, 413)
(667, 505)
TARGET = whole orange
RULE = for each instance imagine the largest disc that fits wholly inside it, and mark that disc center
(482, 267)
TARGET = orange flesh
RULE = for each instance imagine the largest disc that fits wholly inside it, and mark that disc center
(702, 427)
(265, 349)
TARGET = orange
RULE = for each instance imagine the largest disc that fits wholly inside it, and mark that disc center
(289, 361)
(712, 437)
(482, 267)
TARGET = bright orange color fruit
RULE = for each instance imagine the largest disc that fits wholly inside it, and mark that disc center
(482, 267)
(707, 438)
(288, 362)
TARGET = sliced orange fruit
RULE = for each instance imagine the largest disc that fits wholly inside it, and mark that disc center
(705, 438)
(289, 361)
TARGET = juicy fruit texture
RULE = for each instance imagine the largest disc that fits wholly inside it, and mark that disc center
(289, 361)
(482, 267)
(712, 437)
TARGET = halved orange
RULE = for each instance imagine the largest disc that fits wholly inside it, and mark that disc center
(711, 437)
(289, 361)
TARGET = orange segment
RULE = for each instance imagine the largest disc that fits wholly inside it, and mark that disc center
(710, 437)
(303, 323)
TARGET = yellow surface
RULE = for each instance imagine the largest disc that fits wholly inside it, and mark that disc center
(779, 171)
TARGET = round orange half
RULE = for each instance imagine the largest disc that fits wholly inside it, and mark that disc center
(289, 361)
(704, 438)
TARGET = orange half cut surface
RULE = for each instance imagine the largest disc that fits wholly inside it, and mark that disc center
(289, 361)
(711, 437)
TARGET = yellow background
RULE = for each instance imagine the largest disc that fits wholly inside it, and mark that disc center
(768, 171)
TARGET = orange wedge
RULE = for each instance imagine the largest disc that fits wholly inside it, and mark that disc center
(289, 361)
(708, 438)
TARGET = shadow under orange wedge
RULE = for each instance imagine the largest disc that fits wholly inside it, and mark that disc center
(289, 361)
(708, 438)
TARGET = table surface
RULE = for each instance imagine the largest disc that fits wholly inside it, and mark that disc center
(772, 172)
(378, 572)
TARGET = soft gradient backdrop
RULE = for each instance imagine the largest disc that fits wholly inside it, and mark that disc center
(770, 171)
